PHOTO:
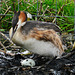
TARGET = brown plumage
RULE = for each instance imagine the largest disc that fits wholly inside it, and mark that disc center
(22, 16)
(47, 35)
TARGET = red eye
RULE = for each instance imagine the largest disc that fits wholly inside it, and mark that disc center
(16, 24)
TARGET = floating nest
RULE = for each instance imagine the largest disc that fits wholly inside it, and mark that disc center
(44, 66)
(10, 62)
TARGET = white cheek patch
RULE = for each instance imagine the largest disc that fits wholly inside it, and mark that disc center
(20, 23)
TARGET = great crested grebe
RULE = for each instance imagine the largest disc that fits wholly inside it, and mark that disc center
(35, 36)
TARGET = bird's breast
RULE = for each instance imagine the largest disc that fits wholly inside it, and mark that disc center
(41, 47)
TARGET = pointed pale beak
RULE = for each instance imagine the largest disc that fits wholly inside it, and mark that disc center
(11, 33)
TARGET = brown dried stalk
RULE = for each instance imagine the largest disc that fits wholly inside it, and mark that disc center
(3, 47)
(61, 9)
(5, 13)
(7, 38)
(45, 10)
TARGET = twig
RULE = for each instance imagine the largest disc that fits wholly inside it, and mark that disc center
(51, 60)
(60, 11)
(2, 51)
(5, 12)
(45, 10)
(7, 38)
(30, 5)
(6, 4)
(3, 47)
(68, 55)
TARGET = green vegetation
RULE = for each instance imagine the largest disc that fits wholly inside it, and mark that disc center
(45, 8)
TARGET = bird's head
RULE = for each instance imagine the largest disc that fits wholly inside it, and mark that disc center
(19, 19)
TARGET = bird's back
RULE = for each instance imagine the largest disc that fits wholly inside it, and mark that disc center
(40, 25)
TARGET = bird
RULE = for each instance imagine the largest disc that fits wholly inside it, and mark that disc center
(36, 36)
